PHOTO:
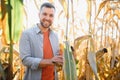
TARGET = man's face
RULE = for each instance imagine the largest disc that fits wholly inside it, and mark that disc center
(46, 17)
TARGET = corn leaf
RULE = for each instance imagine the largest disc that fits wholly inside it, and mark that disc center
(16, 21)
(17, 14)
(3, 20)
(64, 5)
(69, 64)
(92, 61)
(117, 12)
(101, 6)
(78, 40)
(92, 57)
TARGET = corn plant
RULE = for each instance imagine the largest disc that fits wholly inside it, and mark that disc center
(11, 20)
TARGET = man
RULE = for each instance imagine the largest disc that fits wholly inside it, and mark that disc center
(39, 47)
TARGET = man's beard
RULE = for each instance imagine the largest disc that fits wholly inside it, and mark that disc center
(44, 25)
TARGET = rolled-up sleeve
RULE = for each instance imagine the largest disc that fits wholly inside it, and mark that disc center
(26, 54)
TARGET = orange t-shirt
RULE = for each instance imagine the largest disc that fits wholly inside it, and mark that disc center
(47, 72)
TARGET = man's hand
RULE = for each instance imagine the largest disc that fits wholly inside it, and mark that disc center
(57, 60)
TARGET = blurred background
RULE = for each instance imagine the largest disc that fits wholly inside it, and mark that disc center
(92, 28)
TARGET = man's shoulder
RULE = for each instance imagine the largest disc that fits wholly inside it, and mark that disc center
(30, 30)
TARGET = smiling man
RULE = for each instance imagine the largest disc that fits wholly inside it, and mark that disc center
(39, 47)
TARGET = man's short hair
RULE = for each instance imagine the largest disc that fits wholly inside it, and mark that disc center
(48, 5)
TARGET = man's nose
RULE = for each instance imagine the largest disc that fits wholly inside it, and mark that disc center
(47, 17)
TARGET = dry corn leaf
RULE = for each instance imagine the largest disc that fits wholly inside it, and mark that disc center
(101, 6)
(3, 20)
(117, 13)
(78, 40)
(64, 5)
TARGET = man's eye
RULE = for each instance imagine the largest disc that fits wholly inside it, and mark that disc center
(44, 14)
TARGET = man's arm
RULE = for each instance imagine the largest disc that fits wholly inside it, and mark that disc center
(25, 53)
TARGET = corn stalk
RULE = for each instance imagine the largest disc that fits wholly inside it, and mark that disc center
(69, 62)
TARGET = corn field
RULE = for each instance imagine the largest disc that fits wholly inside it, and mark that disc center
(89, 36)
